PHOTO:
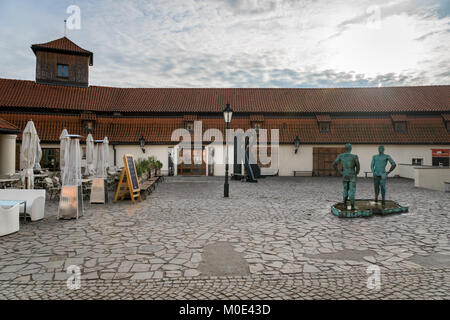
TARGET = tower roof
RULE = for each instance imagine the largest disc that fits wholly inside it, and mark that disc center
(63, 45)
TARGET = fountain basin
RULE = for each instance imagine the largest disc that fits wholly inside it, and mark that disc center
(367, 208)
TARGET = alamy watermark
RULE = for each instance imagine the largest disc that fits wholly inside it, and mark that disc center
(251, 146)
(73, 22)
(374, 280)
(74, 280)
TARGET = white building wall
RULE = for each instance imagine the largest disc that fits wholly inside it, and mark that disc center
(288, 160)
(160, 152)
(402, 154)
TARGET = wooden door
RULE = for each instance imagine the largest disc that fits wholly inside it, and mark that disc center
(188, 162)
(323, 159)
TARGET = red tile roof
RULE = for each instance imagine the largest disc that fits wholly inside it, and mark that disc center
(399, 117)
(28, 94)
(421, 130)
(62, 45)
(256, 117)
(6, 127)
(190, 117)
(323, 117)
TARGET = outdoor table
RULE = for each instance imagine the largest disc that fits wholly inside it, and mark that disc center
(5, 182)
(41, 175)
(10, 203)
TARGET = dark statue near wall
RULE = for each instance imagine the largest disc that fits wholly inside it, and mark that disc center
(378, 167)
(350, 165)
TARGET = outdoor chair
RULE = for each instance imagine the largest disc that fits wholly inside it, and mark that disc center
(35, 201)
(50, 188)
(9, 220)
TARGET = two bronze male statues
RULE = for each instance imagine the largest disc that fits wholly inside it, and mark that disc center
(351, 168)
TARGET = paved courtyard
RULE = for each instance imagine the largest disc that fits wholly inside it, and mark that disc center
(272, 240)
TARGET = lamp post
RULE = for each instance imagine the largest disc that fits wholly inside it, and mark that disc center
(142, 143)
(296, 143)
(227, 114)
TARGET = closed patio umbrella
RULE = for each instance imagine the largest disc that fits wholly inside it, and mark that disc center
(101, 163)
(37, 163)
(28, 154)
(64, 139)
(90, 170)
(72, 159)
(106, 148)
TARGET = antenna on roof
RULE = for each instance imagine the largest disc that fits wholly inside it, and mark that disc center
(65, 27)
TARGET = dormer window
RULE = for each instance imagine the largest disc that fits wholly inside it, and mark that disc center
(88, 126)
(324, 126)
(189, 126)
(400, 122)
(257, 126)
(323, 121)
(400, 127)
(63, 71)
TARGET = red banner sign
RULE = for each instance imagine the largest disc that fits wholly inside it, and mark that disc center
(441, 152)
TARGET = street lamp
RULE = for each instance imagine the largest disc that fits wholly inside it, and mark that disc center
(142, 143)
(227, 114)
(296, 143)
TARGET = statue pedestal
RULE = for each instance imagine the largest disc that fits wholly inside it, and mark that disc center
(367, 208)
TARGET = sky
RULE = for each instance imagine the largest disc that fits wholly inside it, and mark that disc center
(238, 43)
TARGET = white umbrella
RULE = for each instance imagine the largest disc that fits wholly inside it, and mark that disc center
(102, 158)
(106, 148)
(37, 163)
(28, 154)
(62, 150)
(72, 168)
(89, 155)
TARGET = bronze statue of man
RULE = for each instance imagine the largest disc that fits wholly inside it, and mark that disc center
(350, 165)
(378, 167)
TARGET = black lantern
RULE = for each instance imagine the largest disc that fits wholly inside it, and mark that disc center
(296, 143)
(227, 115)
(142, 143)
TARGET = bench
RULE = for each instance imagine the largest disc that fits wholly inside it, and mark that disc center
(35, 200)
(302, 173)
(148, 186)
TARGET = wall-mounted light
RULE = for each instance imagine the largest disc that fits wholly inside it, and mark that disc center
(296, 143)
(142, 143)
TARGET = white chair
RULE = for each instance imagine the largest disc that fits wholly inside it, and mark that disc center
(34, 198)
(9, 220)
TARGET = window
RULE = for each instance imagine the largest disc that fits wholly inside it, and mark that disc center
(63, 70)
(324, 126)
(400, 127)
(447, 125)
(50, 159)
(88, 126)
(189, 126)
(417, 161)
(257, 126)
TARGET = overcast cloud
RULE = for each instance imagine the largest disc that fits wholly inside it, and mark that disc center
(239, 43)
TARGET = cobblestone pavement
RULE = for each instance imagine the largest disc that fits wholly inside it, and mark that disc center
(275, 239)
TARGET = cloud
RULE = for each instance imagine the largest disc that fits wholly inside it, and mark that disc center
(240, 43)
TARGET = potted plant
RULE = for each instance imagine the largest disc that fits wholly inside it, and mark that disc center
(158, 166)
(150, 167)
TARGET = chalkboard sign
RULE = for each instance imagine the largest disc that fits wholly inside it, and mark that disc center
(131, 185)
(132, 171)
